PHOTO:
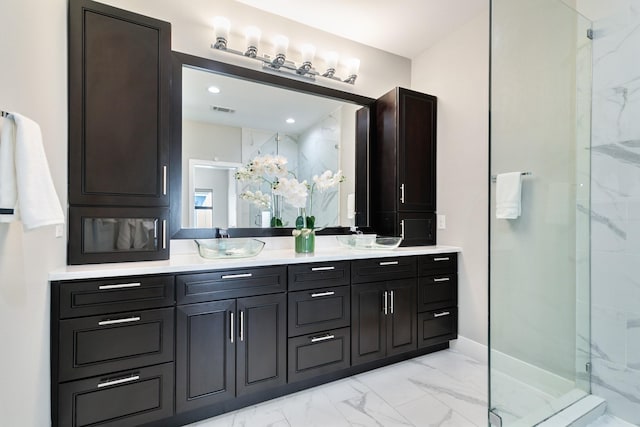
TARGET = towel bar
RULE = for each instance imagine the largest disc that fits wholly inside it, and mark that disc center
(494, 177)
(2, 210)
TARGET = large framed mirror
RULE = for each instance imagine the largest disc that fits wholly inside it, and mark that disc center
(225, 118)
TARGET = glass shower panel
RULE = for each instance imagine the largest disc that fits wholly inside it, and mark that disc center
(539, 262)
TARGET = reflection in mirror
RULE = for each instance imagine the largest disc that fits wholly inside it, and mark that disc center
(227, 122)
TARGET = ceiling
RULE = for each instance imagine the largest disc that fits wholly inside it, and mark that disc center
(402, 27)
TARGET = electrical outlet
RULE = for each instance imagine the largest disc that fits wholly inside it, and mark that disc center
(442, 222)
(59, 230)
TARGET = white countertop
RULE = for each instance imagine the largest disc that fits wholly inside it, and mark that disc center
(191, 261)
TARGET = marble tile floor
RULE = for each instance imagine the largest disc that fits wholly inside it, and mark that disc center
(443, 389)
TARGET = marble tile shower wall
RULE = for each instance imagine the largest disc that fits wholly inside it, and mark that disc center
(615, 218)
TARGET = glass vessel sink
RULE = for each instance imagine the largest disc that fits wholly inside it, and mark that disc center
(369, 242)
(229, 248)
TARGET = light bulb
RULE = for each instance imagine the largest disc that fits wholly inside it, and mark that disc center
(252, 35)
(221, 26)
(308, 52)
(281, 44)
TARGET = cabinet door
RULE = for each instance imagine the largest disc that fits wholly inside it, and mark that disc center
(368, 307)
(401, 318)
(416, 151)
(205, 354)
(261, 343)
(119, 78)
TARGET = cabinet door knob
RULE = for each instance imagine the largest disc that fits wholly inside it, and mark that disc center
(119, 381)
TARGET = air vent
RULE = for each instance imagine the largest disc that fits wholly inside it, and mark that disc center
(221, 109)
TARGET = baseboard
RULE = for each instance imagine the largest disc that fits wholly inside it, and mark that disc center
(470, 348)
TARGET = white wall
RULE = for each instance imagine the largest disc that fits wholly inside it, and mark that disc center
(33, 81)
(456, 70)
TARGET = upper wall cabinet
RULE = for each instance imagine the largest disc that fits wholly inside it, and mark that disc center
(403, 166)
(119, 81)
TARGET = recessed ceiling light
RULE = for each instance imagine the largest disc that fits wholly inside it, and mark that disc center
(213, 89)
(290, 120)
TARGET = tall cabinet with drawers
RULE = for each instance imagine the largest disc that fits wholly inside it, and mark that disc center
(169, 349)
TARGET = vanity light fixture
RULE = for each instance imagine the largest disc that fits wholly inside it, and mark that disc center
(279, 61)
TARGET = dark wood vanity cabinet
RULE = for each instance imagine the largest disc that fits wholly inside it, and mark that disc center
(230, 347)
(119, 134)
(112, 351)
(403, 167)
(437, 299)
(384, 311)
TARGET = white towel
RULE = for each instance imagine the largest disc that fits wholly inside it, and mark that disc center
(508, 195)
(8, 192)
(37, 202)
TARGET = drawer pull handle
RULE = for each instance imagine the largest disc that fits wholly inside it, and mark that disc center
(323, 338)
(236, 276)
(242, 326)
(231, 329)
(441, 259)
(164, 234)
(391, 296)
(444, 313)
(402, 194)
(119, 381)
(322, 268)
(382, 263)
(442, 279)
(385, 307)
(116, 321)
(322, 294)
(119, 286)
(164, 180)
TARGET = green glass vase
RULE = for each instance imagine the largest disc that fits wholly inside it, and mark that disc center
(305, 241)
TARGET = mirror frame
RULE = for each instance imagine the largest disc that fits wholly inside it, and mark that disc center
(363, 134)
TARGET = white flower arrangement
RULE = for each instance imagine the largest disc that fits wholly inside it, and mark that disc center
(273, 170)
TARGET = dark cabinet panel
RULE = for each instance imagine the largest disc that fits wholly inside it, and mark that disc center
(368, 302)
(380, 269)
(261, 345)
(100, 344)
(401, 318)
(403, 167)
(317, 310)
(91, 297)
(125, 398)
(383, 319)
(437, 292)
(318, 275)
(225, 284)
(119, 77)
(318, 354)
(437, 327)
(205, 354)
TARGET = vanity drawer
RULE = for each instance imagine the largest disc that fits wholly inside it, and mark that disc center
(318, 275)
(313, 355)
(438, 264)
(100, 344)
(92, 297)
(437, 291)
(126, 398)
(318, 310)
(225, 284)
(381, 269)
(437, 327)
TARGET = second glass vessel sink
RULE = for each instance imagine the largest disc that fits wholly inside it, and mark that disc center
(229, 248)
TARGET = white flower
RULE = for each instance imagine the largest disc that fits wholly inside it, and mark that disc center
(294, 192)
(328, 180)
(269, 165)
(245, 174)
(258, 198)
